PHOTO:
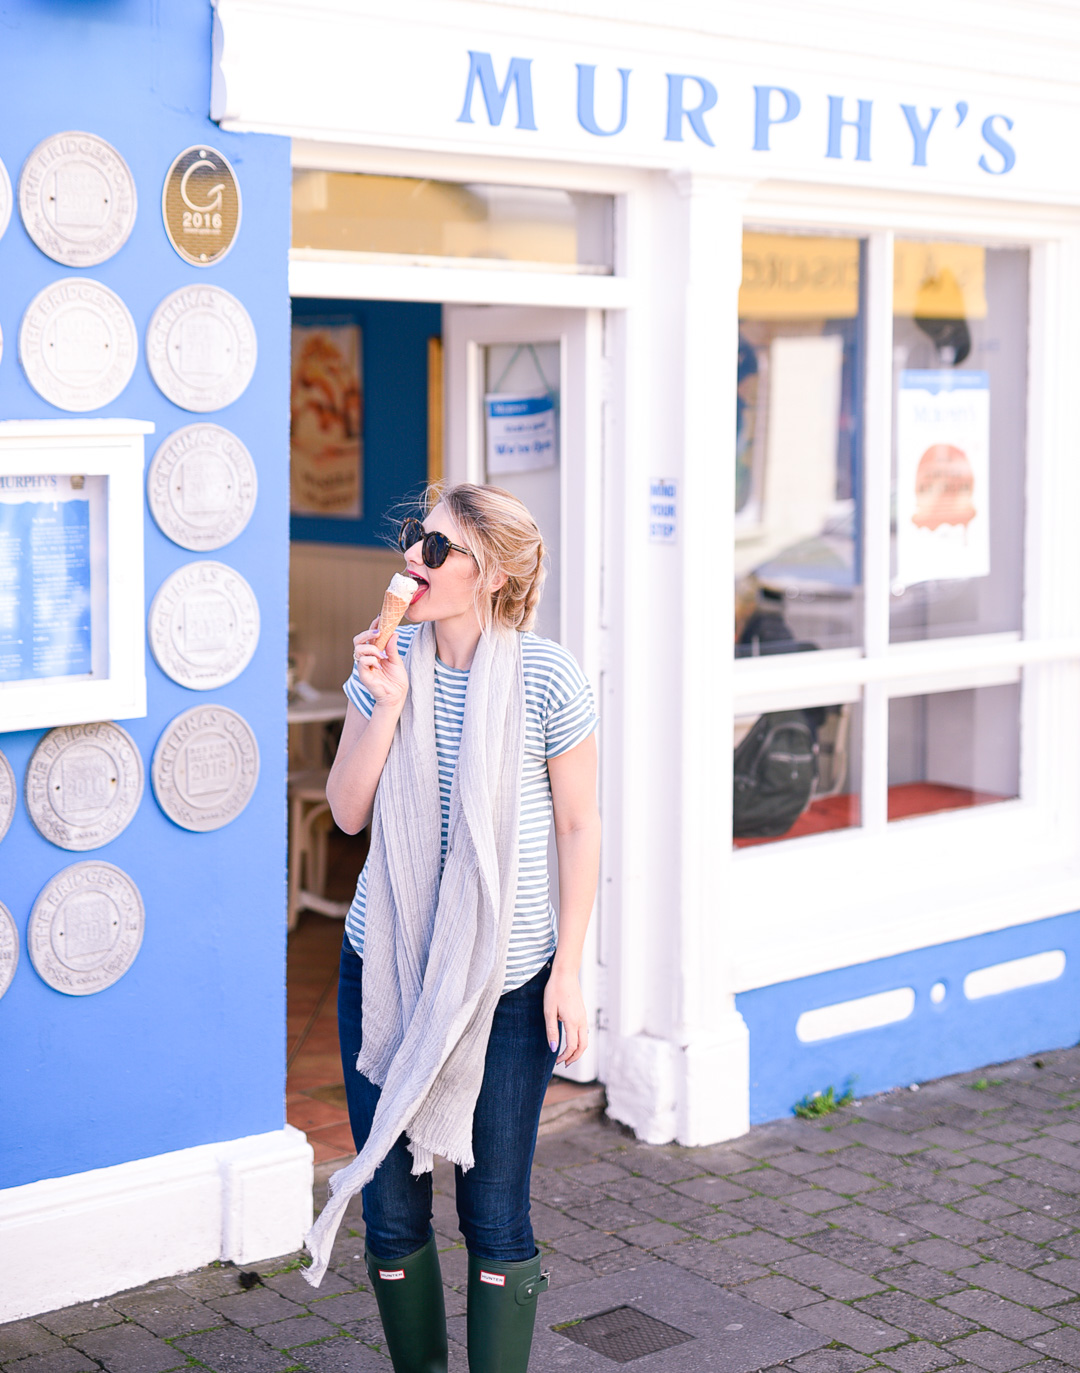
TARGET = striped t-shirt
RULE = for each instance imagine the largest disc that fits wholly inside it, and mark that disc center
(559, 714)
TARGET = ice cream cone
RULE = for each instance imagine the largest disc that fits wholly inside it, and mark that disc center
(391, 615)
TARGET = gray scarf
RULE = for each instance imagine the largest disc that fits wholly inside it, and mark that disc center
(435, 948)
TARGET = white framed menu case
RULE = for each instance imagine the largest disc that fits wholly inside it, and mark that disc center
(72, 630)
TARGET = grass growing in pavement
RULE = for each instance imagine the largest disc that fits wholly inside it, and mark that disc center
(823, 1103)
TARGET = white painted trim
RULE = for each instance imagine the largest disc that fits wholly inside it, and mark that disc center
(330, 277)
(848, 1017)
(85, 1236)
(1017, 972)
(91, 447)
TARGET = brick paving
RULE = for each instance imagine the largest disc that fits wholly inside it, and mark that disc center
(911, 1232)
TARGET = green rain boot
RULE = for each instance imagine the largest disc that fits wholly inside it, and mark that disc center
(410, 1296)
(502, 1311)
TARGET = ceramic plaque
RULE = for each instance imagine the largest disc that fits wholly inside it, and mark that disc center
(200, 348)
(201, 487)
(200, 204)
(77, 199)
(86, 928)
(204, 625)
(77, 344)
(205, 768)
(9, 948)
(7, 795)
(84, 784)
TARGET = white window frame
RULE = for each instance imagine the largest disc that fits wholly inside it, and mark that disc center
(844, 897)
(91, 447)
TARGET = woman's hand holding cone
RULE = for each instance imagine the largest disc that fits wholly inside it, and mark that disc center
(381, 673)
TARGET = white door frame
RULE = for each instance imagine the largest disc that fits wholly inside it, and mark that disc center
(580, 336)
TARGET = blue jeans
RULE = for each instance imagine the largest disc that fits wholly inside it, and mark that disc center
(493, 1196)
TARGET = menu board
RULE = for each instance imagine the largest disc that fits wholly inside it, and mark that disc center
(49, 530)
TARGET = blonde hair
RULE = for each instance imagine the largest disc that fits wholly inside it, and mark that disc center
(504, 538)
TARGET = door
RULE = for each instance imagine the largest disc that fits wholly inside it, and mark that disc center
(523, 411)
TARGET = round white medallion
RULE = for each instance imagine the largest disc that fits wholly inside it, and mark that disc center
(77, 199)
(7, 795)
(202, 487)
(84, 784)
(205, 768)
(200, 348)
(5, 199)
(77, 344)
(9, 948)
(86, 928)
(204, 625)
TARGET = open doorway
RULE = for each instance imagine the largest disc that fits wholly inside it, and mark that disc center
(368, 416)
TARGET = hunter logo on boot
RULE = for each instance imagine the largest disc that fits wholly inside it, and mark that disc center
(392, 1274)
(496, 1279)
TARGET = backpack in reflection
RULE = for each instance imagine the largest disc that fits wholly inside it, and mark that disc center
(776, 766)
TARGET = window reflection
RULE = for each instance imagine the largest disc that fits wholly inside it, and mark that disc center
(960, 379)
(799, 440)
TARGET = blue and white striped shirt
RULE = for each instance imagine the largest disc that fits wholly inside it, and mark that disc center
(559, 714)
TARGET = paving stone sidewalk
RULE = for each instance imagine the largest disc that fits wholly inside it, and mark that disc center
(918, 1230)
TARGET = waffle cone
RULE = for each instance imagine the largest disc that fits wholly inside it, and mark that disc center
(391, 615)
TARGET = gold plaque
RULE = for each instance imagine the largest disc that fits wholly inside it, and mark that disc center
(200, 205)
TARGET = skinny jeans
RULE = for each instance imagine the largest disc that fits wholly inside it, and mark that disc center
(493, 1196)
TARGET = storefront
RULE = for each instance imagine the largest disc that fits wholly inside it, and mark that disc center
(832, 269)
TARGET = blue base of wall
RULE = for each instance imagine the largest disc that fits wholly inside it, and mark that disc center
(936, 1039)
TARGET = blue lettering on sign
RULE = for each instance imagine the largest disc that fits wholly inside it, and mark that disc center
(586, 101)
(837, 125)
(919, 132)
(999, 145)
(773, 105)
(518, 75)
(677, 111)
(763, 120)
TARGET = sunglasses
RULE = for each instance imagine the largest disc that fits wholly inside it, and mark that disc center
(435, 545)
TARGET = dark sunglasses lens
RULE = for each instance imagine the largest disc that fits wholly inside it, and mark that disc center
(412, 531)
(436, 549)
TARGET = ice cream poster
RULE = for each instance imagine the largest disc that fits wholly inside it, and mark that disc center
(942, 476)
(521, 434)
(326, 420)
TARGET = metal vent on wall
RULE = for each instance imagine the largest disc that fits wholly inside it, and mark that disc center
(623, 1334)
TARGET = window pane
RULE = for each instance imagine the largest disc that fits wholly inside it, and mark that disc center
(799, 445)
(960, 373)
(566, 231)
(796, 773)
(953, 750)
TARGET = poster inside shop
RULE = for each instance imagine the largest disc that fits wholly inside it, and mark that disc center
(326, 420)
(52, 552)
(521, 433)
(943, 476)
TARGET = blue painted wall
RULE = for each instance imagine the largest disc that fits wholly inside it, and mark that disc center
(950, 1037)
(189, 1046)
(395, 342)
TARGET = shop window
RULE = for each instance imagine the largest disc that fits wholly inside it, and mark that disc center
(797, 773)
(799, 444)
(953, 749)
(417, 220)
(960, 384)
(883, 555)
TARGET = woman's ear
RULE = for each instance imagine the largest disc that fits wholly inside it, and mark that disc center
(499, 582)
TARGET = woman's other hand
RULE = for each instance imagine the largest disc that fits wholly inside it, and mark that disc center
(563, 1002)
(381, 674)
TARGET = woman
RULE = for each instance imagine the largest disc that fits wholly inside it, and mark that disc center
(461, 742)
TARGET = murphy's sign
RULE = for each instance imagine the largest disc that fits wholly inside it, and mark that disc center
(539, 85)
